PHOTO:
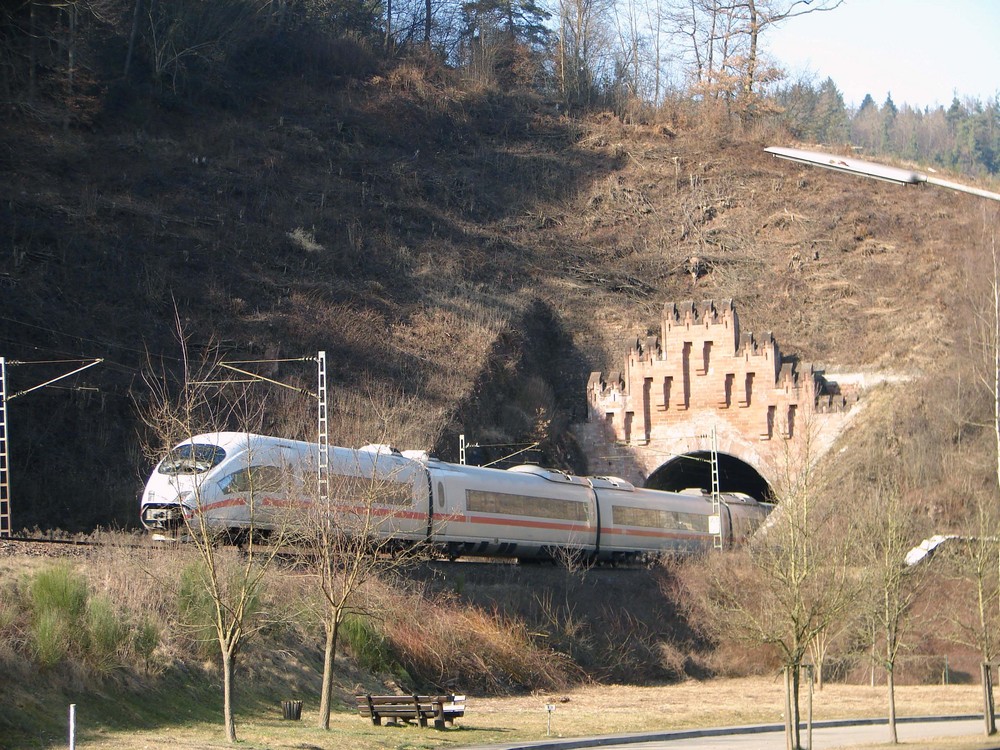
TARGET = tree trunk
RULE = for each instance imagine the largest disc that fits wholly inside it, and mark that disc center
(890, 681)
(562, 58)
(989, 710)
(136, 14)
(792, 708)
(227, 695)
(32, 52)
(327, 686)
(750, 76)
(796, 716)
(388, 25)
(427, 23)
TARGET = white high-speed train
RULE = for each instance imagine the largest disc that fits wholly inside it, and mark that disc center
(526, 512)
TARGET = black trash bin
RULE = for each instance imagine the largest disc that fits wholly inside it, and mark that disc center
(291, 710)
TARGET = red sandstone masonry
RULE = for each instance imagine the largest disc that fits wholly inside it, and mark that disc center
(701, 360)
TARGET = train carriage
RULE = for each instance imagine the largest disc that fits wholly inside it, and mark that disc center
(237, 481)
(524, 512)
(232, 482)
(648, 521)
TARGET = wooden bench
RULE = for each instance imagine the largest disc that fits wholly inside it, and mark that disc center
(441, 709)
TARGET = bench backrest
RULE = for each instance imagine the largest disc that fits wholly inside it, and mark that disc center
(385, 704)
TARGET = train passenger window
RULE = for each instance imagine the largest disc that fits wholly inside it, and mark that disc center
(254, 479)
(238, 481)
(525, 505)
(309, 481)
(396, 493)
(368, 490)
(693, 521)
(267, 478)
(652, 518)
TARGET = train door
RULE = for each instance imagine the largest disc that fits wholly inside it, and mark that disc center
(729, 533)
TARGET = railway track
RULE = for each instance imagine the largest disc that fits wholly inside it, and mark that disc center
(38, 547)
(291, 557)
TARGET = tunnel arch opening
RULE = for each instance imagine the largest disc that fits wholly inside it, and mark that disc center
(694, 470)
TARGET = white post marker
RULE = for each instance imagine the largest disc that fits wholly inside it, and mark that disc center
(72, 726)
(548, 726)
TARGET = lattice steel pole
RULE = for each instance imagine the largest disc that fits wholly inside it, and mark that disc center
(4, 465)
(323, 432)
(716, 495)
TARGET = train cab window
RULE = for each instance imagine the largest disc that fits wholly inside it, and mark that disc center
(191, 459)
(238, 481)
(440, 494)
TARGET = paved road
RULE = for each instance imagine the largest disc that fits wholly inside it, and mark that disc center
(826, 736)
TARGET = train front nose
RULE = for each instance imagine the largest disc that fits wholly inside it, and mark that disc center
(163, 507)
(161, 516)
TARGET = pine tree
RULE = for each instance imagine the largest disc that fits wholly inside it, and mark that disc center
(866, 104)
(830, 122)
(888, 113)
(505, 38)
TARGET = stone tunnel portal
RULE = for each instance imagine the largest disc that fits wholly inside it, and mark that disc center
(695, 470)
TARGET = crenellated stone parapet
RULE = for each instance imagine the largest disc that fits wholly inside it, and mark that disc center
(702, 362)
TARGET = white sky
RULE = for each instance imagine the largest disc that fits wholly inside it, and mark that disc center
(921, 51)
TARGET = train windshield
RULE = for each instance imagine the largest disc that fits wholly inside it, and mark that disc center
(191, 459)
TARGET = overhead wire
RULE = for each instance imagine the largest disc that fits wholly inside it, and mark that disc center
(76, 337)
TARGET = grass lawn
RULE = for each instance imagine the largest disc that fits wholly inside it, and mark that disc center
(580, 712)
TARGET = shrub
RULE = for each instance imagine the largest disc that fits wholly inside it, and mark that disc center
(9, 612)
(371, 649)
(197, 606)
(50, 637)
(197, 610)
(105, 635)
(145, 639)
(443, 642)
(59, 589)
(58, 597)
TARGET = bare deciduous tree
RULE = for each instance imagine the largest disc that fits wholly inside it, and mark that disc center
(350, 519)
(179, 409)
(724, 43)
(978, 559)
(352, 545)
(792, 582)
(888, 529)
(974, 564)
(585, 38)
